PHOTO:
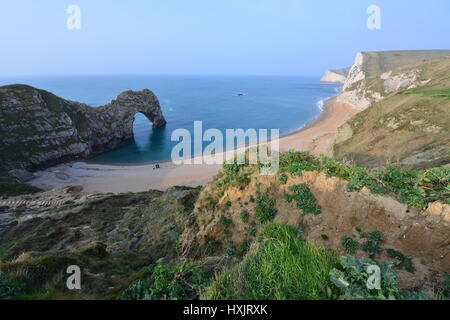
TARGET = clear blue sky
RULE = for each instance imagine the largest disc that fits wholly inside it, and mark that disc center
(295, 37)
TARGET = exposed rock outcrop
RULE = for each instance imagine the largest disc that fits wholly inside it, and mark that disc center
(371, 77)
(335, 76)
(39, 129)
(407, 122)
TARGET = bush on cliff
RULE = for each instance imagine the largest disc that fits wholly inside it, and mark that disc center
(168, 282)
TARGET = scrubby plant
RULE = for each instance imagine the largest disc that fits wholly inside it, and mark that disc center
(281, 265)
(413, 187)
(444, 288)
(228, 204)
(9, 288)
(169, 282)
(230, 251)
(245, 216)
(349, 245)
(265, 208)
(226, 222)
(243, 179)
(352, 278)
(403, 262)
(36, 271)
(374, 236)
(11, 188)
(283, 179)
(303, 198)
(371, 246)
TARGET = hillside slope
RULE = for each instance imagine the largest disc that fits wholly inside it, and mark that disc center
(407, 122)
(371, 64)
(328, 201)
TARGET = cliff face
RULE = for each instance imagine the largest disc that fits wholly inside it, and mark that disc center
(407, 122)
(39, 129)
(371, 77)
(335, 76)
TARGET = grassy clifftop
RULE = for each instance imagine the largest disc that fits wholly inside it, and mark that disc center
(408, 126)
(376, 63)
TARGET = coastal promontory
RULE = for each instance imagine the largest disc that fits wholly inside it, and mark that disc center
(39, 129)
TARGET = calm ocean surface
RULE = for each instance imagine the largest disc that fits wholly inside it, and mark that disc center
(285, 103)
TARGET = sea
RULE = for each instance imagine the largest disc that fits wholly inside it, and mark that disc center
(286, 103)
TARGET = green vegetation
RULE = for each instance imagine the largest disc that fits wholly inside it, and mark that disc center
(295, 163)
(444, 288)
(408, 128)
(413, 187)
(352, 276)
(11, 188)
(28, 276)
(304, 199)
(168, 282)
(428, 91)
(349, 245)
(371, 246)
(245, 216)
(281, 265)
(403, 262)
(9, 288)
(225, 222)
(283, 179)
(265, 208)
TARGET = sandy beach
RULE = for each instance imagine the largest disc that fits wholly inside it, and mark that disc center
(316, 137)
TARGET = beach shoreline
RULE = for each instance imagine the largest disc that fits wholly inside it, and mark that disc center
(316, 136)
(324, 113)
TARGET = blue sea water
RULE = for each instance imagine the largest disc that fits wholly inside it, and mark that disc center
(272, 102)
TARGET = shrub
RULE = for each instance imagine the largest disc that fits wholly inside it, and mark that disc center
(36, 271)
(283, 179)
(225, 222)
(349, 245)
(371, 245)
(9, 288)
(169, 282)
(281, 265)
(304, 199)
(371, 248)
(352, 276)
(265, 208)
(11, 188)
(403, 262)
(245, 216)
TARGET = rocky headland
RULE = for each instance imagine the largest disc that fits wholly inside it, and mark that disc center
(39, 129)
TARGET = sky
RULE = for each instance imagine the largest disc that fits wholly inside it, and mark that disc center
(202, 37)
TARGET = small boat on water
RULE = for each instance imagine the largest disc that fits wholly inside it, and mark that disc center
(240, 94)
